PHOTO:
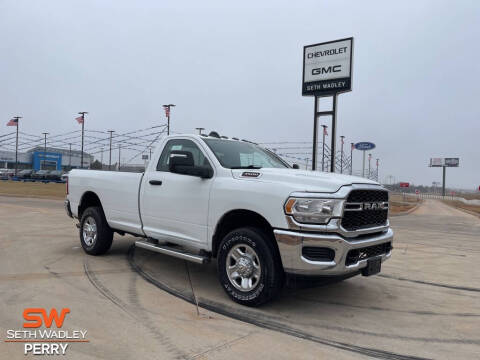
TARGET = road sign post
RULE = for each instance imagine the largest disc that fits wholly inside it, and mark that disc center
(327, 71)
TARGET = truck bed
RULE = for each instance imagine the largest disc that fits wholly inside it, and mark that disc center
(118, 193)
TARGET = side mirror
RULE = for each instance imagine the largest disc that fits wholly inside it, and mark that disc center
(295, 166)
(180, 159)
(181, 162)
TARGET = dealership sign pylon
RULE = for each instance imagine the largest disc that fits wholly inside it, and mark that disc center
(327, 71)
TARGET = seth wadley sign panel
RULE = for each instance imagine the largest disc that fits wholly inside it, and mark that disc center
(327, 67)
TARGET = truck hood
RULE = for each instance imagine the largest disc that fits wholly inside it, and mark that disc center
(301, 180)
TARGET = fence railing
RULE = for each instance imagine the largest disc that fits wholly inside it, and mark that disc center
(440, 197)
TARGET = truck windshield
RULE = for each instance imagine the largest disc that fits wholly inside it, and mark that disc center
(243, 155)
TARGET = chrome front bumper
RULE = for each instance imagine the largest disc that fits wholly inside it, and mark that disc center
(290, 244)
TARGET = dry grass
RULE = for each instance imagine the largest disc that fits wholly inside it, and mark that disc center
(32, 189)
(458, 204)
(400, 204)
(469, 196)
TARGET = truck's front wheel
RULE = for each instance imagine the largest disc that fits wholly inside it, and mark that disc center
(249, 268)
(95, 234)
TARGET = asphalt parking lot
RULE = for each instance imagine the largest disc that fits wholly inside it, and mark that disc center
(136, 304)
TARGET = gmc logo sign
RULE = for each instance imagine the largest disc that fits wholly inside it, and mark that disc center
(327, 70)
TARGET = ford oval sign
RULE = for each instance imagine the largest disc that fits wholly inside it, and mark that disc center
(364, 146)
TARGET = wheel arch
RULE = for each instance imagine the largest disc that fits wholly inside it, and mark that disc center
(88, 199)
(238, 218)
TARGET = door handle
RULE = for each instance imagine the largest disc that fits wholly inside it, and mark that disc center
(155, 182)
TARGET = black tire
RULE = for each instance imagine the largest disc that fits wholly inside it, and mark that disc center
(104, 235)
(271, 278)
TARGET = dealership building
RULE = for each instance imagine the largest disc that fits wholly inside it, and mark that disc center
(50, 158)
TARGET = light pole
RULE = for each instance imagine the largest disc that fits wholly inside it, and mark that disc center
(44, 150)
(83, 127)
(110, 157)
(119, 146)
(199, 130)
(351, 157)
(369, 164)
(70, 157)
(342, 139)
(167, 114)
(101, 158)
(323, 146)
(377, 168)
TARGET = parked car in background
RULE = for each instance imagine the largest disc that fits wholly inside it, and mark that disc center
(64, 177)
(6, 173)
(40, 174)
(54, 175)
(25, 174)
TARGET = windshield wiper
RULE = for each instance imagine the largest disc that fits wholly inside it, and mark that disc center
(246, 167)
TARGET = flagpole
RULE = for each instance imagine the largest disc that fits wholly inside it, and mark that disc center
(341, 155)
(16, 145)
(83, 127)
(369, 162)
(167, 111)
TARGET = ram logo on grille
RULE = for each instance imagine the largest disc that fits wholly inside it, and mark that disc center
(365, 209)
(375, 205)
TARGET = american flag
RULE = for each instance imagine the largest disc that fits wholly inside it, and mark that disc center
(13, 122)
(79, 119)
(167, 111)
(325, 131)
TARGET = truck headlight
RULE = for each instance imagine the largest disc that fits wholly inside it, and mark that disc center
(313, 211)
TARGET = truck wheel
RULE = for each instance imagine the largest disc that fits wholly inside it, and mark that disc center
(249, 268)
(95, 234)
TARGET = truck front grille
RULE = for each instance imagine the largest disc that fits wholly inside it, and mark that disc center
(362, 210)
(355, 255)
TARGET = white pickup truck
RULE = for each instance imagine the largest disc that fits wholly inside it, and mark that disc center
(206, 197)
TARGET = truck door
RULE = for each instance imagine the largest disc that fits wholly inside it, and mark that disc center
(176, 205)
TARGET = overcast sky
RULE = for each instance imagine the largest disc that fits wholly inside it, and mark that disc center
(236, 67)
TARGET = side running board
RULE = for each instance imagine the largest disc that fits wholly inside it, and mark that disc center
(167, 250)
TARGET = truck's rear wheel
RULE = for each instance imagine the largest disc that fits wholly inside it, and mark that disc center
(95, 234)
(249, 268)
